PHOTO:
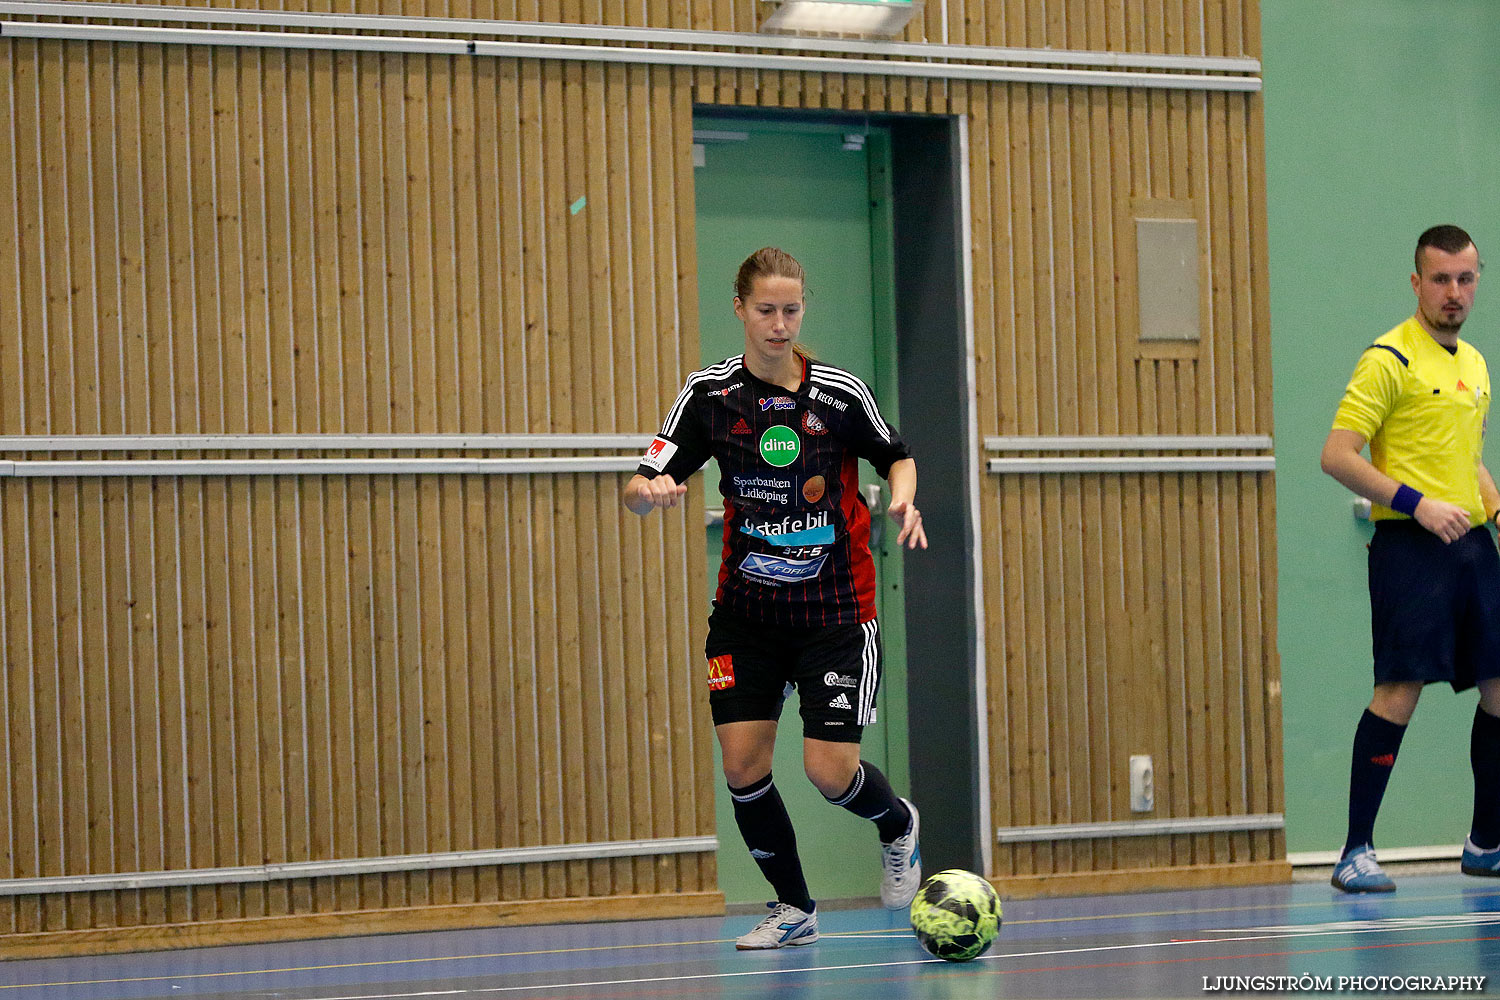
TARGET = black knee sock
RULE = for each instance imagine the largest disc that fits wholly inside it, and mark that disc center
(1376, 743)
(1484, 754)
(869, 796)
(767, 829)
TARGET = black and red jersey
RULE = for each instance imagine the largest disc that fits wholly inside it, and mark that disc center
(796, 530)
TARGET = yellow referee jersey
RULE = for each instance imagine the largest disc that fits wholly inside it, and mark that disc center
(1423, 411)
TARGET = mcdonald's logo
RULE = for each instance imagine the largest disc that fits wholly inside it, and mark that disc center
(721, 672)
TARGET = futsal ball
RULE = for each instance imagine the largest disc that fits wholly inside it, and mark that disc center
(956, 915)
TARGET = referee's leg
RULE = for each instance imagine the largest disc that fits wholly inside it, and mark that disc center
(1377, 743)
(1482, 852)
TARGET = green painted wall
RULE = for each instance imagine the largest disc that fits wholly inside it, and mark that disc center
(1382, 118)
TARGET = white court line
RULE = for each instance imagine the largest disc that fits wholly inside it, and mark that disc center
(737, 975)
(1380, 923)
(858, 936)
(782, 972)
(1097, 949)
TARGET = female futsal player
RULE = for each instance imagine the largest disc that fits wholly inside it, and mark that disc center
(796, 599)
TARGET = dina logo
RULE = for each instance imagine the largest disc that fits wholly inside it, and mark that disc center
(780, 446)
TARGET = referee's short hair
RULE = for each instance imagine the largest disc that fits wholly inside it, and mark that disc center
(1449, 239)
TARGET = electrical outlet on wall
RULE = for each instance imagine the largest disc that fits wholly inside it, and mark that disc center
(1142, 783)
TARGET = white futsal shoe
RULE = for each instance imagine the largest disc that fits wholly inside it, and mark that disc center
(902, 861)
(785, 925)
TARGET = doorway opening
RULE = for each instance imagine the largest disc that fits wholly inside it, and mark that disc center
(871, 206)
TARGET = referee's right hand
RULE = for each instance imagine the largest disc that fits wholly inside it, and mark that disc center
(1448, 521)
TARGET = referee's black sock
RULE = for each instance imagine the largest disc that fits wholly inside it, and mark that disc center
(767, 829)
(870, 796)
(1484, 754)
(1376, 743)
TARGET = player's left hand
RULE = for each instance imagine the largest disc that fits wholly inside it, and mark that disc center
(912, 535)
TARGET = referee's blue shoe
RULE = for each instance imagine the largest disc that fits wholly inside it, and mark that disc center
(1477, 862)
(1358, 871)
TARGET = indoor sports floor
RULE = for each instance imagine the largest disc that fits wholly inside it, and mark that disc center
(1157, 945)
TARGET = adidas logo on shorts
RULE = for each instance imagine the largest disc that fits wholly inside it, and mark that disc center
(842, 701)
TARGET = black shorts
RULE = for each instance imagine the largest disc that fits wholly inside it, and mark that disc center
(835, 669)
(1434, 608)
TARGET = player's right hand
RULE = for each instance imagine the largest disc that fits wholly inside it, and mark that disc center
(663, 491)
(1448, 521)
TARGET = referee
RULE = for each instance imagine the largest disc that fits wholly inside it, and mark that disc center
(1419, 397)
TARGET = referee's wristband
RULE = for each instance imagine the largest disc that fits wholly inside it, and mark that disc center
(1405, 501)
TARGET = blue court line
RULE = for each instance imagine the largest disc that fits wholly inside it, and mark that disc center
(714, 941)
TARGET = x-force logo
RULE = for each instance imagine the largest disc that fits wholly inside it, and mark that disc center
(776, 570)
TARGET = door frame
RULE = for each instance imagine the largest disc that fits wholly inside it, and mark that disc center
(947, 721)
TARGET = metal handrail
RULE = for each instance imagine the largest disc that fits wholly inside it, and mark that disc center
(650, 55)
(317, 442)
(1130, 442)
(355, 866)
(627, 33)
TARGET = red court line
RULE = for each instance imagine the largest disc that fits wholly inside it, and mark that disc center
(1230, 958)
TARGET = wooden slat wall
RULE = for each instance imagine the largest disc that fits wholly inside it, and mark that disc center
(216, 672)
(210, 672)
(1127, 613)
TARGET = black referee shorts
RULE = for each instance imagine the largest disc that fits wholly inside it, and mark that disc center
(835, 669)
(1434, 608)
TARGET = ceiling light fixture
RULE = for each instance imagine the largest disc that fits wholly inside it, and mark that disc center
(868, 18)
